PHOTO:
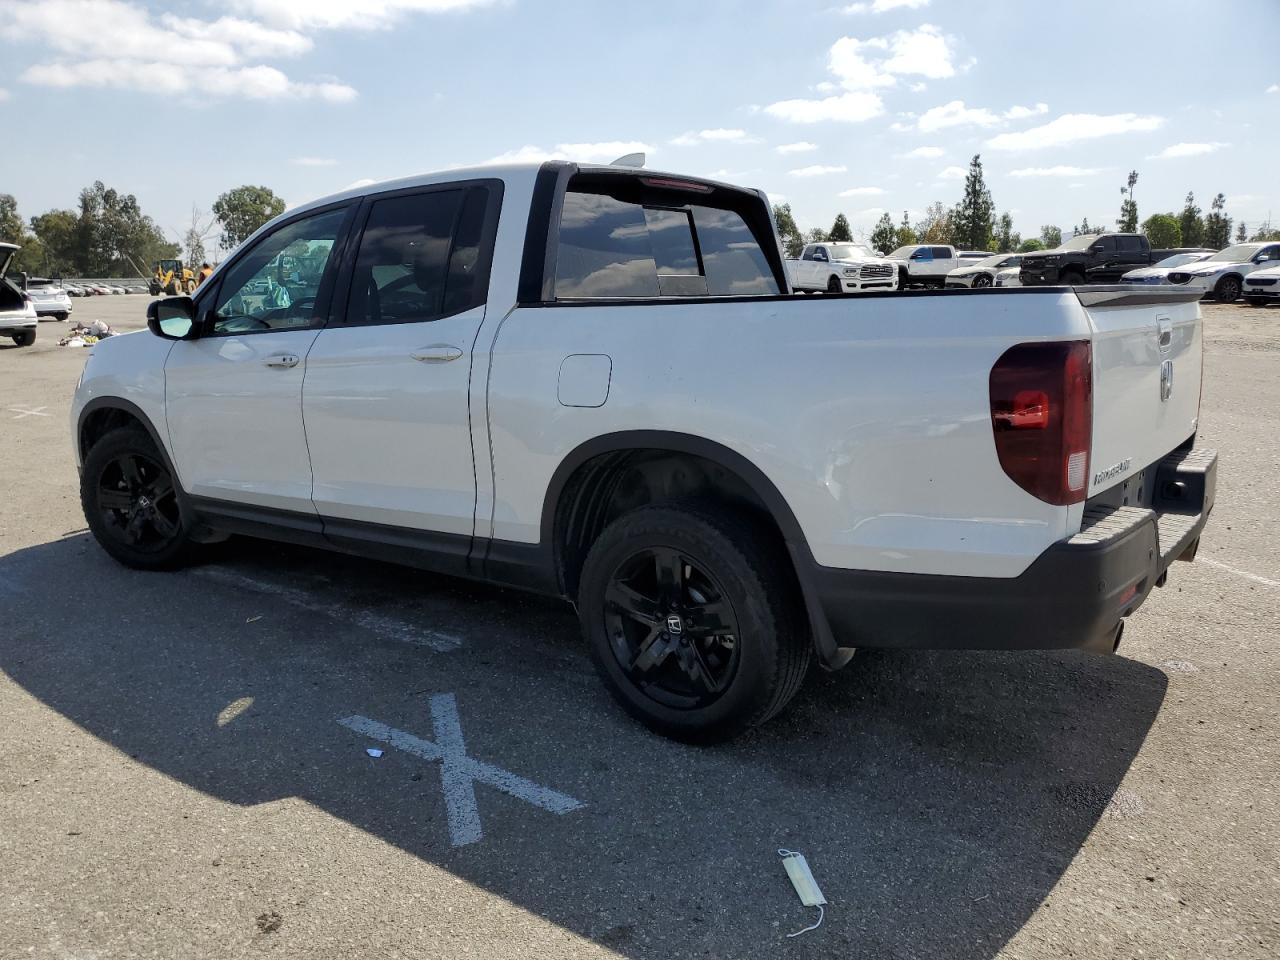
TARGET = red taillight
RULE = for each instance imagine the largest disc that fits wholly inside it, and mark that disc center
(1042, 416)
(668, 183)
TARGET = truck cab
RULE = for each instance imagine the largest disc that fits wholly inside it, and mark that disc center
(1100, 258)
(925, 264)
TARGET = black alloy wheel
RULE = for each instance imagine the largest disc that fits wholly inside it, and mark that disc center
(672, 630)
(131, 503)
(1228, 290)
(982, 280)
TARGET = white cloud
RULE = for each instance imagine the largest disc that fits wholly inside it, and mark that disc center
(1187, 150)
(1073, 127)
(803, 146)
(603, 152)
(1274, 88)
(314, 161)
(862, 192)
(884, 6)
(717, 135)
(4, 94)
(955, 114)
(252, 83)
(1060, 171)
(122, 45)
(953, 173)
(862, 66)
(818, 170)
(328, 14)
(918, 87)
(1021, 113)
(924, 153)
(852, 107)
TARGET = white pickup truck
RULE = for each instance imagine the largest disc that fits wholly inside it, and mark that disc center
(841, 268)
(926, 264)
(592, 382)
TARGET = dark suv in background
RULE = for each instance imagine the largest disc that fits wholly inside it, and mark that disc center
(1093, 258)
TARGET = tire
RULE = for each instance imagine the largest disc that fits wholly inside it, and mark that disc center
(61, 316)
(739, 646)
(154, 289)
(833, 284)
(982, 280)
(137, 514)
(25, 339)
(1073, 279)
(1227, 290)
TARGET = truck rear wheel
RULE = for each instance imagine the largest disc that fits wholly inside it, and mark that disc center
(1073, 278)
(693, 620)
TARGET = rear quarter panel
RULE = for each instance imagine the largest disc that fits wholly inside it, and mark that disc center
(870, 414)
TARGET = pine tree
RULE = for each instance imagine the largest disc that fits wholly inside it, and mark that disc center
(906, 235)
(972, 219)
(885, 236)
(1217, 225)
(1242, 233)
(1191, 224)
(840, 232)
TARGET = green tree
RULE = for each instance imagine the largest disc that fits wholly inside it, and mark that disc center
(1006, 240)
(906, 234)
(885, 236)
(1242, 233)
(29, 259)
(788, 232)
(1128, 222)
(816, 235)
(59, 234)
(1051, 237)
(1031, 246)
(243, 210)
(1265, 234)
(1085, 228)
(1163, 230)
(1190, 223)
(840, 232)
(1217, 225)
(972, 224)
(115, 237)
(12, 229)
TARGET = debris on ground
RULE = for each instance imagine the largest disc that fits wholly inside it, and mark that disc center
(87, 334)
(806, 887)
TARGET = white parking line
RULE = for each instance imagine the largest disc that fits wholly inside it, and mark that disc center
(460, 773)
(388, 627)
(1265, 581)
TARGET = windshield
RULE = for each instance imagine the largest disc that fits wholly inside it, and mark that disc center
(1178, 259)
(1000, 259)
(846, 251)
(902, 253)
(1080, 243)
(1237, 254)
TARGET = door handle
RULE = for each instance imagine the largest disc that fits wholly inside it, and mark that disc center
(436, 353)
(282, 360)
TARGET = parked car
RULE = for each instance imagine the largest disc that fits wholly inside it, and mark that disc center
(974, 254)
(1100, 258)
(1222, 275)
(50, 297)
(982, 273)
(841, 268)
(18, 319)
(1262, 287)
(729, 481)
(924, 264)
(1159, 273)
(1009, 277)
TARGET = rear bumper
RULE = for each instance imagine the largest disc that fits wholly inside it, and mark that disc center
(49, 308)
(1073, 596)
(17, 324)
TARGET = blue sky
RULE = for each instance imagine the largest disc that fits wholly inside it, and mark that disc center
(857, 106)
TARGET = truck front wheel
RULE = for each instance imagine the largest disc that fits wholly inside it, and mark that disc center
(833, 284)
(694, 620)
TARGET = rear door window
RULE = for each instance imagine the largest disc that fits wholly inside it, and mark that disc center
(942, 253)
(1130, 244)
(619, 249)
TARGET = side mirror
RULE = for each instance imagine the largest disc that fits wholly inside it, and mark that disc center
(173, 318)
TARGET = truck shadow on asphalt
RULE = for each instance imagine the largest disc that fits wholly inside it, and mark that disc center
(939, 797)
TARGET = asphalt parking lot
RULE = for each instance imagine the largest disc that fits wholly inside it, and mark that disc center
(183, 765)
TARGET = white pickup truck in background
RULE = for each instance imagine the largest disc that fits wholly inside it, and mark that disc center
(594, 383)
(841, 268)
(925, 264)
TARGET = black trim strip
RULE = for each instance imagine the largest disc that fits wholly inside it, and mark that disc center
(542, 233)
(779, 297)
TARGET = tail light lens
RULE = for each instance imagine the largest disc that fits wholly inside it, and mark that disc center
(1042, 417)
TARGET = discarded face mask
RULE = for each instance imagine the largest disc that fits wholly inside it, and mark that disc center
(806, 887)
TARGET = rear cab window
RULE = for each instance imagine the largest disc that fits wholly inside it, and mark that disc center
(629, 237)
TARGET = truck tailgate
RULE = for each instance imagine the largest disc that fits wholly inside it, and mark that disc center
(1147, 356)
